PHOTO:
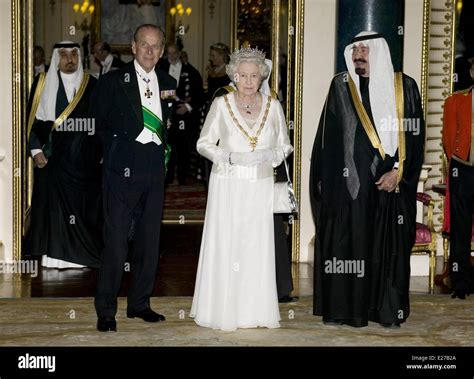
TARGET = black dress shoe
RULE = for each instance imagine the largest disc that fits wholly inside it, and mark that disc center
(460, 294)
(106, 324)
(288, 299)
(147, 315)
(390, 325)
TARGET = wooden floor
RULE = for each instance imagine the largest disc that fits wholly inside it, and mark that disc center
(179, 257)
(176, 274)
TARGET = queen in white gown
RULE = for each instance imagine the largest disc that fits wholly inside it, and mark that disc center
(235, 283)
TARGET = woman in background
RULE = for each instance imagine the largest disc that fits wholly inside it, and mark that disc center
(216, 70)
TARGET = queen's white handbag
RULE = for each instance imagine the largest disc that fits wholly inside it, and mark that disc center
(284, 199)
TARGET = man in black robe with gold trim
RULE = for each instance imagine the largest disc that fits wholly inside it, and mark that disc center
(365, 167)
(66, 217)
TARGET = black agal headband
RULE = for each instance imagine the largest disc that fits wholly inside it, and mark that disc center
(363, 38)
(66, 45)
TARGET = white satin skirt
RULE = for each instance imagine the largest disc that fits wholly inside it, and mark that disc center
(236, 280)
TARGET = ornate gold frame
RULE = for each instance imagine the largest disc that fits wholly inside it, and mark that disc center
(294, 72)
(425, 55)
(298, 112)
(21, 10)
(454, 20)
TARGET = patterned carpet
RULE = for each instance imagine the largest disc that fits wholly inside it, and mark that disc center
(185, 202)
(436, 320)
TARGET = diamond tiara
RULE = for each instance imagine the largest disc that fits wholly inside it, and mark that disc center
(247, 52)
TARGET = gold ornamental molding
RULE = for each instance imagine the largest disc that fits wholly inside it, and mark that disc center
(22, 78)
(298, 112)
(276, 44)
(425, 55)
(294, 92)
(437, 81)
(18, 43)
(453, 41)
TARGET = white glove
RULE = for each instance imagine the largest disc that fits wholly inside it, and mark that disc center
(220, 156)
(253, 158)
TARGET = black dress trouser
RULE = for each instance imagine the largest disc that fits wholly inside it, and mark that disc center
(133, 179)
(461, 192)
(282, 258)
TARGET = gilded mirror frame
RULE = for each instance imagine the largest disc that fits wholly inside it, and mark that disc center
(295, 45)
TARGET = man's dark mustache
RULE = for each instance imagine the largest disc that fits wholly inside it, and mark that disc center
(360, 61)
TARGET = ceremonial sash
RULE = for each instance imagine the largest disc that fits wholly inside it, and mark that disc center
(153, 123)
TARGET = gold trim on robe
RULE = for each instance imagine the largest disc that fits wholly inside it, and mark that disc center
(365, 119)
(66, 112)
(36, 101)
(400, 103)
(370, 129)
(73, 103)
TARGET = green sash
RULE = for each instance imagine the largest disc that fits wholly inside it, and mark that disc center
(152, 122)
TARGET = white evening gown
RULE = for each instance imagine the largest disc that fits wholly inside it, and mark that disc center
(236, 283)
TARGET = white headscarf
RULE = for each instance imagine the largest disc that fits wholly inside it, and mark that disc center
(47, 106)
(381, 88)
(265, 87)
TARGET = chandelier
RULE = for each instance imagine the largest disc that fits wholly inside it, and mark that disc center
(86, 6)
(251, 6)
(180, 10)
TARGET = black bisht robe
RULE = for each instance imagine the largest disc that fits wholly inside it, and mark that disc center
(66, 209)
(355, 221)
